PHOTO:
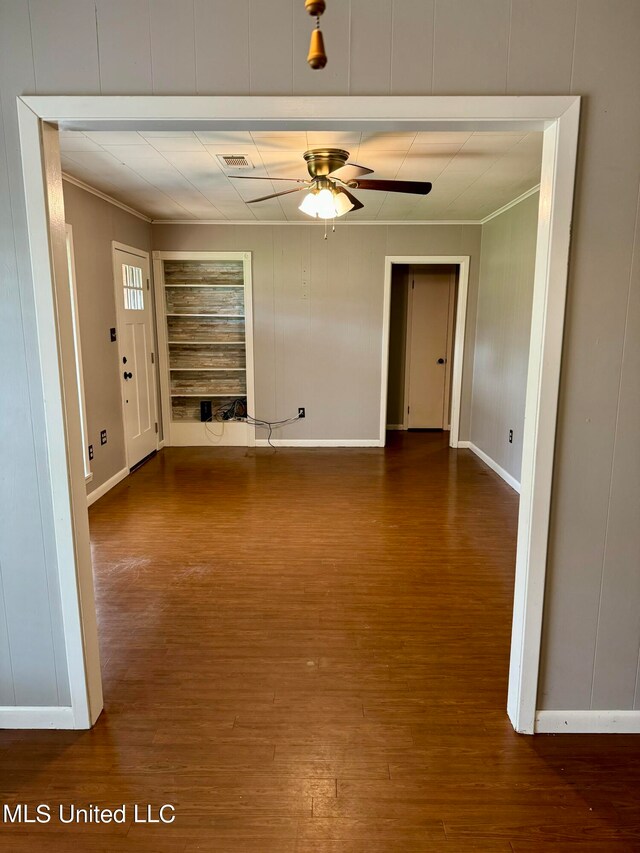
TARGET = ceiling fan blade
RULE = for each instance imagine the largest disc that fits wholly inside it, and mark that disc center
(275, 195)
(416, 187)
(263, 178)
(357, 204)
(350, 171)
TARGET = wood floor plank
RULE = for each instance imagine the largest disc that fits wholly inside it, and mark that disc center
(306, 651)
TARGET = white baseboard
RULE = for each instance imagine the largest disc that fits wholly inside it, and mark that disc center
(161, 444)
(506, 476)
(588, 722)
(395, 426)
(320, 442)
(35, 717)
(93, 496)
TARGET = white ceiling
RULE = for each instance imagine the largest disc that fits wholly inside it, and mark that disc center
(175, 174)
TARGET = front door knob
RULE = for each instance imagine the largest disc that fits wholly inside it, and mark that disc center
(441, 360)
(128, 375)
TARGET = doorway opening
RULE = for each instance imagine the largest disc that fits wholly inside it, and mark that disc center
(423, 343)
(557, 117)
(421, 333)
(422, 319)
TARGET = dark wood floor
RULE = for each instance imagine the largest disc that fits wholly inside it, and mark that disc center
(306, 652)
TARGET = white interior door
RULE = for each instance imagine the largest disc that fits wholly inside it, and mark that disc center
(136, 352)
(431, 301)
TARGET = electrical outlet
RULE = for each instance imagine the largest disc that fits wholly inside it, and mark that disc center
(91, 451)
(510, 436)
(103, 436)
(301, 412)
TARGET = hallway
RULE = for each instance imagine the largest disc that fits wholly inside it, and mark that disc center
(306, 651)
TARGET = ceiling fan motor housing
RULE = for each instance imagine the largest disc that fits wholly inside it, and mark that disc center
(323, 161)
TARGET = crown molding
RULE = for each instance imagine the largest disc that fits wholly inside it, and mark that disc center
(88, 188)
(510, 204)
(316, 223)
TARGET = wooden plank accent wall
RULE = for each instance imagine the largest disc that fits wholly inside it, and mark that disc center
(207, 355)
(208, 382)
(203, 272)
(205, 329)
(204, 300)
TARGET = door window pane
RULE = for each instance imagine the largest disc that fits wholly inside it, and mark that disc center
(133, 288)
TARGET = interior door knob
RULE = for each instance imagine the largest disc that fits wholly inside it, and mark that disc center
(441, 360)
(128, 375)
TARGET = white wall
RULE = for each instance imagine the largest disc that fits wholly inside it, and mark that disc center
(503, 327)
(586, 47)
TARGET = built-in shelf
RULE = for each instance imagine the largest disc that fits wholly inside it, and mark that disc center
(209, 369)
(203, 285)
(206, 343)
(204, 303)
(228, 395)
(185, 314)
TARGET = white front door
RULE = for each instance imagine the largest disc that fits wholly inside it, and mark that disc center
(431, 301)
(136, 353)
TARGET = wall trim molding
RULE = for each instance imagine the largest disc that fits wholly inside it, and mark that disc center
(319, 442)
(314, 222)
(588, 722)
(36, 717)
(96, 494)
(510, 204)
(89, 189)
(500, 471)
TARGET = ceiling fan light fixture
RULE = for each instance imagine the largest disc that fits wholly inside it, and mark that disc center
(309, 205)
(343, 203)
(325, 204)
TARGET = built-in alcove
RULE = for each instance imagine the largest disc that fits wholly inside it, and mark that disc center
(204, 320)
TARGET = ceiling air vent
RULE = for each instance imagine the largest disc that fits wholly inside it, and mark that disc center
(234, 161)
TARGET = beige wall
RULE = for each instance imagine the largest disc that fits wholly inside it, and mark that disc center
(96, 223)
(322, 348)
(503, 327)
(397, 47)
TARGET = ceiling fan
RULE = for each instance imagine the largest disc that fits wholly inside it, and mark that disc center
(331, 181)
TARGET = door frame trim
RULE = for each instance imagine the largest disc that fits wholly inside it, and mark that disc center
(137, 253)
(463, 262)
(556, 115)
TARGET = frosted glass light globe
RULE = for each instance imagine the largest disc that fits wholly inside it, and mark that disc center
(325, 205)
(309, 205)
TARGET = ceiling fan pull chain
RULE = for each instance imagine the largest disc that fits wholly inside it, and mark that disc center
(317, 57)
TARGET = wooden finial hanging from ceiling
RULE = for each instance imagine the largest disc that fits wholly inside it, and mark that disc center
(317, 58)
